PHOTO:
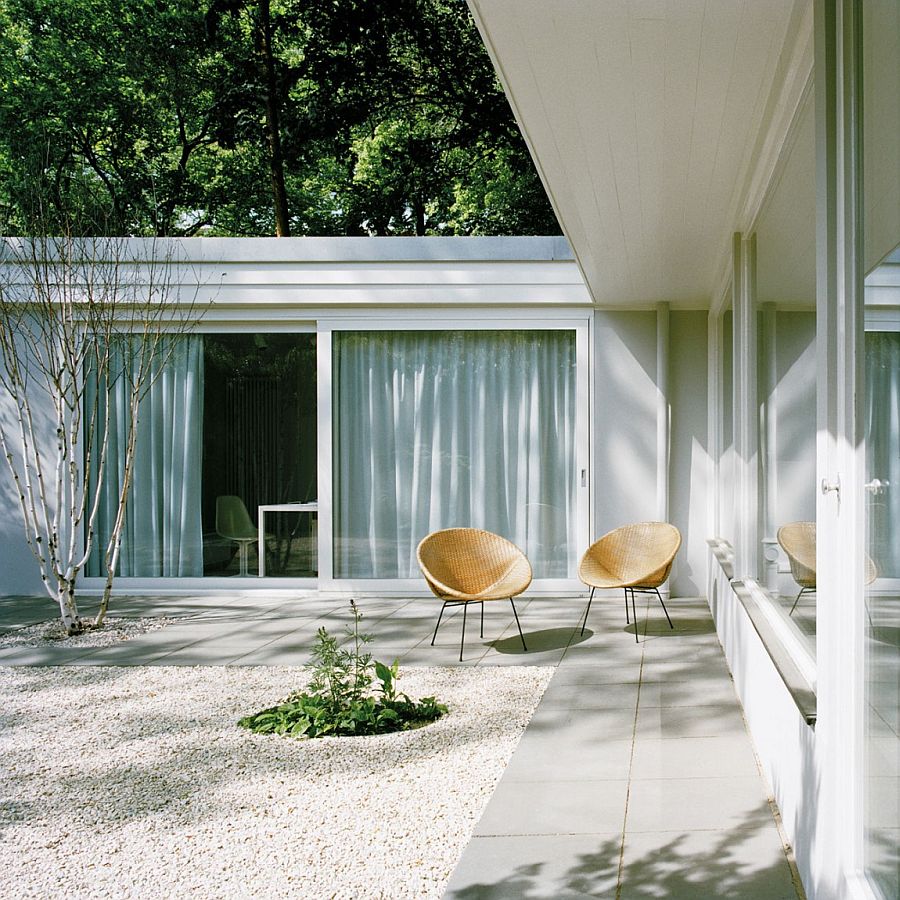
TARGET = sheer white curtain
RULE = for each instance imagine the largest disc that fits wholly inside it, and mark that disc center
(442, 429)
(163, 534)
(883, 448)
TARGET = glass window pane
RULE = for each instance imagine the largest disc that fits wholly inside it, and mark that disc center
(441, 429)
(228, 427)
(259, 449)
(881, 414)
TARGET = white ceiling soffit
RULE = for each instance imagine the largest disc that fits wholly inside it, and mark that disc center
(656, 127)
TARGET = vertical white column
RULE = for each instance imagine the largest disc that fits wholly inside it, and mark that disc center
(324, 450)
(663, 413)
(746, 416)
(714, 429)
(769, 432)
(840, 521)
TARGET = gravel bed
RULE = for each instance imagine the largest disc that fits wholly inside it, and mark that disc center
(137, 783)
(114, 631)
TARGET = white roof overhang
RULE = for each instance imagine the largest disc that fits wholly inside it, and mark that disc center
(657, 128)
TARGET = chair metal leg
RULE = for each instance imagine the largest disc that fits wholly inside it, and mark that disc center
(664, 609)
(438, 623)
(482, 618)
(627, 620)
(522, 636)
(462, 640)
(803, 590)
(590, 600)
(634, 616)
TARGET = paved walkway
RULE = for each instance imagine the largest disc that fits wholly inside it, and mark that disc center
(635, 778)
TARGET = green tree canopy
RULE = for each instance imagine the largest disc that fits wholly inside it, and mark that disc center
(173, 117)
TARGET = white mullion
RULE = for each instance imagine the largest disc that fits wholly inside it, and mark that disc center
(840, 455)
(746, 432)
(324, 453)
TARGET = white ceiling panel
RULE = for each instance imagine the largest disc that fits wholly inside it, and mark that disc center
(644, 118)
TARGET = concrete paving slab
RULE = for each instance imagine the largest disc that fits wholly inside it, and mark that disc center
(554, 807)
(697, 804)
(564, 867)
(741, 863)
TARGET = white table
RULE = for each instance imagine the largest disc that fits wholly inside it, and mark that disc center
(312, 507)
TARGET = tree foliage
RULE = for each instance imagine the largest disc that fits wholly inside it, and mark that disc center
(248, 117)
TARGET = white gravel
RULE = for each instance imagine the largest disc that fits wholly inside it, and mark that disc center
(113, 631)
(137, 782)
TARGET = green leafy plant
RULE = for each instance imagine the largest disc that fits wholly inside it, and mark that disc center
(340, 699)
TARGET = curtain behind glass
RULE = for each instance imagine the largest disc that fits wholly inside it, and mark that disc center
(882, 443)
(441, 429)
(163, 532)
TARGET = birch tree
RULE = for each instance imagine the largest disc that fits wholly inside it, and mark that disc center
(77, 316)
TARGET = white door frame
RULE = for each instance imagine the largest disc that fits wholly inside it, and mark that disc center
(840, 507)
(578, 320)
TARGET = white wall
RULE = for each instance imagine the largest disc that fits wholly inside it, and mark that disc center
(289, 281)
(689, 468)
(625, 428)
(795, 351)
(784, 743)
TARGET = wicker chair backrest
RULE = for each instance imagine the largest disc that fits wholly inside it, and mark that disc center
(798, 540)
(640, 554)
(467, 560)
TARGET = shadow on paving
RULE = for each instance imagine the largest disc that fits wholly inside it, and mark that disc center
(727, 868)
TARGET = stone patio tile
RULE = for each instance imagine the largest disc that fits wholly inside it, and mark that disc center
(573, 695)
(694, 757)
(555, 867)
(685, 669)
(698, 691)
(544, 757)
(743, 863)
(710, 720)
(610, 671)
(48, 655)
(694, 804)
(554, 807)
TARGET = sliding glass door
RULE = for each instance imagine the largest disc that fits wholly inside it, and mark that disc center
(225, 469)
(436, 429)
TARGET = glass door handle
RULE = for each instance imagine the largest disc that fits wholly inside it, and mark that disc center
(829, 486)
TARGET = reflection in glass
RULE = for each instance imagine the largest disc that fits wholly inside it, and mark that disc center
(882, 598)
(228, 425)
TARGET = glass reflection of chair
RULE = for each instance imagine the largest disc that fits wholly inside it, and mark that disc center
(798, 540)
(233, 523)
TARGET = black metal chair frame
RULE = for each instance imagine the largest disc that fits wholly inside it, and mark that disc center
(464, 604)
(632, 588)
(803, 590)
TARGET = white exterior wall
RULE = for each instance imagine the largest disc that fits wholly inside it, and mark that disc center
(795, 427)
(784, 743)
(288, 283)
(625, 431)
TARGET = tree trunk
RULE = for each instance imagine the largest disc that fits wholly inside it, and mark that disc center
(68, 608)
(273, 128)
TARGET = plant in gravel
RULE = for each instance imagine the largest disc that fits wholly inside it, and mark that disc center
(339, 699)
